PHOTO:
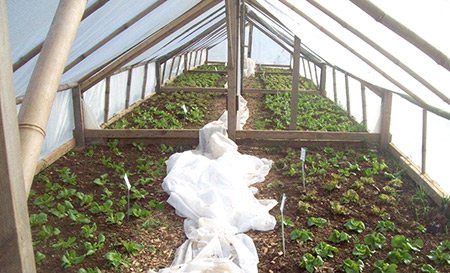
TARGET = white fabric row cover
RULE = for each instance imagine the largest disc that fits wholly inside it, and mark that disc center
(211, 188)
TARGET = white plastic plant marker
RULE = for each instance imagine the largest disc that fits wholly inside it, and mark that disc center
(184, 109)
(302, 159)
(283, 202)
(128, 185)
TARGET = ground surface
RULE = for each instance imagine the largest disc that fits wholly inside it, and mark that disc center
(78, 206)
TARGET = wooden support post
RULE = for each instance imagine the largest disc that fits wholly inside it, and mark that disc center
(295, 84)
(323, 80)
(158, 77)
(171, 68)
(304, 67)
(347, 95)
(250, 40)
(144, 83)
(78, 114)
(201, 57)
(185, 60)
(107, 91)
(334, 85)
(424, 140)
(44, 83)
(386, 107)
(128, 93)
(310, 71)
(207, 55)
(241, 46)
(163, 75)
(232, 14)
(178, 66)
(16, 249)
(364, 104)
(316, 74)
(195, 59)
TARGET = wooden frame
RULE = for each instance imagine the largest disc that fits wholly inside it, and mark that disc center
(78, 113)
(295, 84)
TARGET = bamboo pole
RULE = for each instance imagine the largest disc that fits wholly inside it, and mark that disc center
(107, 91)
(404, 32)
(232, 11)
(354, 52)
(295, 84)
(364, 103)
(424, 140)
(15, 235)
(144, 83)
(347, 95)
(41, 91)
(380, 49)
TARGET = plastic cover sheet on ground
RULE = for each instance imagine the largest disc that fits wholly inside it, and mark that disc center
(211, 188)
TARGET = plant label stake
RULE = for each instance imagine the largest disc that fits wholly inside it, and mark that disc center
(283, 201)
(127, 183)
(302, 159)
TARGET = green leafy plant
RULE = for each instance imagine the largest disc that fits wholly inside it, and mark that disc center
(400, 256)
(45, 200)
(303, 206)
(66, 175)
(381, 212)
(337, 208)
(92, 248)
(139, 212)
(88, 231)
(85, 199)
(115, 218)
(137, 194)
(362, 251)
(90, 270)
(331, 185)
(71, 258)
(302, 235)
(155, 204)
(402, 242)
(325, 250)
(62, 209)
(385, 226)
(316, 221)
(337, 236)
(311, 263)
(48, 231)
(350, 196)
(355, 225)
(116, 259)
(351, 266)
(65, 244)
(102, 180)
(66, 193)
(39, 257)
(78, 217)
(381, 266)
(375, 240)
(387, 199)
(131, 247)
(38, 219)
(286, 221)
(428, 269)
(441, 254)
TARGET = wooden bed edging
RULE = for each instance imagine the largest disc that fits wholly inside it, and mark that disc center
(224, 90)
(423, 180)
(54, 155)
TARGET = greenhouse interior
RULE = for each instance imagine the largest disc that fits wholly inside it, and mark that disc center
(224, 136)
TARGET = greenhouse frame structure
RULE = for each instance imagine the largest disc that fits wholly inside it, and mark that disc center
(23, 137)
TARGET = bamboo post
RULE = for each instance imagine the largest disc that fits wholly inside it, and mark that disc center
(347, 95)
(232, 11)
(424, 140)
(107, 91)
(334, 85)
(364, 105)
(128, 92)
(295, 84)
(144, 83)
(15, 235)
(44, 82)
(158, 77)
(386, 107)
(389, 22)
(250, 40)
(323, 80)
(78, 114)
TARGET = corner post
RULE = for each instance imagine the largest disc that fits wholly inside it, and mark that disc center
(295, 84)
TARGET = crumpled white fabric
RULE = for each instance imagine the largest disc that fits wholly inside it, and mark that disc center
(211, 188)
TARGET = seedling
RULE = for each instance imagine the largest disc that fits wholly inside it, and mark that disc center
(131, 247)
(48, 231)
(400, 256)
(428, 269)
(325, 250)
(311, 263)
(38, 219)
(303, 207)
(375, 240)
(116, 259)
(87, 231)
(351, 266)
(102, 180)
(381, 266)
(90, 270)
(350, 196)
(362, 251)
(316, 221)
(355, 225)
(337, 208)
(65, 244)
(337, 236)
(384, 226)
(71, 258)
(92, 248)
(39, 257)
(302, 235)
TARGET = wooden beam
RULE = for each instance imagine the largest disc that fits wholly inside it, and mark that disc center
(424, 140)
(55, 155)
(404, 32)
(150, 41)
(364, 104)
(383, 51)
(334, 85)
(386, 107)
(144, 82)
(141, 133)
(433, 189)
(44, 82)
(232, 8)
(295, 84)
(178, 66)
(323, 80)
(114, 34)
(309, 135)
(78, 113)
(353, 51)
(158, 77)
(35, 51)
(347, 95)
(185, 68)
(107, 91)
(15, 234)
(128, 90)
(163, 74)
(172, 89)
